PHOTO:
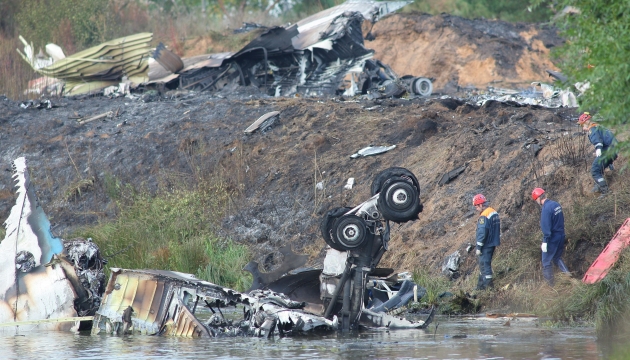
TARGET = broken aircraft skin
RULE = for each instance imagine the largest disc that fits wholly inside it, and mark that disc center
(51, 284)
(38, 282)
(350, 287)
(158, 302)
(311, 57)
(283, 303)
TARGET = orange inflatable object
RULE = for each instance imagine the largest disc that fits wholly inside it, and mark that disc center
(610, 255)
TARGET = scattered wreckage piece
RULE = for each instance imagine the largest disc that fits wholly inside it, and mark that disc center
(372, 150)
(311, 57)
(291, 261)
(451, 175)
(263, 122)
(98, 67)
(38, 282)
(450, 267)
(548, 96)
(379, 80)
(350, 289)
(108, 114)
(159, 302)
(609, 256)
(168, 59)
(362, 235)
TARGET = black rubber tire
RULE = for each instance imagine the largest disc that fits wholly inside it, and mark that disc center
(327, 224)
(398, 201)
(389, 173)
(350, 232)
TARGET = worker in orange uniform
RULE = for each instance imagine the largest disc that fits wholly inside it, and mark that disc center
(552, 226)
(488, 238)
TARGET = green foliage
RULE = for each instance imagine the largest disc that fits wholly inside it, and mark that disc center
(227, 260)
(173, 230)
(606, 302)
(435, 285)
(68, 23)
(597, 52)
(508, 10)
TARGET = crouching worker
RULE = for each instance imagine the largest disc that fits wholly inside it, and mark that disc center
(552, 226)
(488, 237)
(605, 151)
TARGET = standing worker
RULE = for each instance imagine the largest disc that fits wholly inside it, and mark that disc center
(552, 226)
(603, 139)
(488, 237)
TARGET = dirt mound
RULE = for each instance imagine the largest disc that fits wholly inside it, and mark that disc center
(461, 52)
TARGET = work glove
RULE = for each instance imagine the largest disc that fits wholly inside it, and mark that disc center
(543, 247)
(598, 152)
(478, 252)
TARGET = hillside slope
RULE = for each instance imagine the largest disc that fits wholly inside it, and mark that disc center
(275, 172)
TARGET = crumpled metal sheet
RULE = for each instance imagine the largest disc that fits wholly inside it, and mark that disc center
(36, 281)
(163, 303)
(372, 150)
(311, 57)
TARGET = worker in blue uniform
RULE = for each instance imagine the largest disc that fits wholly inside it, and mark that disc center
(552, 226)
(605, 150)
(488, 238)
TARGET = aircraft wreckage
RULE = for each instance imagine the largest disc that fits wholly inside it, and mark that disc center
(49, 283)
(317, 56)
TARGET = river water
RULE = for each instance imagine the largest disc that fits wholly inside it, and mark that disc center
(454, 338)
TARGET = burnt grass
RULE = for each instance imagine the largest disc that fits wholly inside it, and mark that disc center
(162, 141)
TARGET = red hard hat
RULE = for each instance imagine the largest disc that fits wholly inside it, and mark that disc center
(479, 199)
(584, 118)
(537, 192)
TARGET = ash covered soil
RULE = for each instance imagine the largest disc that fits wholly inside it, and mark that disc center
(165, 140)
(276, 172)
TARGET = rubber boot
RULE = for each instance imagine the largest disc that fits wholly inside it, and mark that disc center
(603, 186)
(595, 189)
(489, 283)
(480, 283)
(562, 266)
(548, 275)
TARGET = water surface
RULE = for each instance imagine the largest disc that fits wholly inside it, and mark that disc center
(454, 338)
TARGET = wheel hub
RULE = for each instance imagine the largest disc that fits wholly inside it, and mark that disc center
(400, 197)
(351, 232)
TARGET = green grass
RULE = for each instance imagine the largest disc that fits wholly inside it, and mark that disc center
(172, 230)
(435, 285)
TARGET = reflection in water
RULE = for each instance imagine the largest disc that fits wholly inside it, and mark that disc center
(454, 339)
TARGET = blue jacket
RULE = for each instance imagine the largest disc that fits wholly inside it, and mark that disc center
(552, 222)
(601, 137)
(488, 229)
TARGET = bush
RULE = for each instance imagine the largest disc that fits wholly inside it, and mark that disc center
(71, 24)
(173, 230)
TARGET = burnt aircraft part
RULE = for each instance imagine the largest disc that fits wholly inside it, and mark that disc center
(378, 80)
(311, 57)
(37, 283)
(168, 59)
(399, 201)
(161, 302)
(395, 197)
(451, 175)
(350, 232)
(421, 86)
(326, 226)
(24, 261)
(291, 261)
